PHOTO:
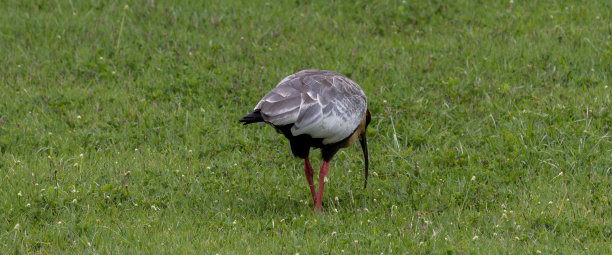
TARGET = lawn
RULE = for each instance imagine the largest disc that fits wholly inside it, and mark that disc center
(490, 127)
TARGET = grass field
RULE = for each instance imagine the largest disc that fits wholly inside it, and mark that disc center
(119, 127)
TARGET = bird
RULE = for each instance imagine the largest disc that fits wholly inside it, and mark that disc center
(316, 109)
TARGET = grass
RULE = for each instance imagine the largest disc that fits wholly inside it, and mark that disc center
(490, 131)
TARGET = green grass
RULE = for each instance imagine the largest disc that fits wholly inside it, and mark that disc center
(490, 130)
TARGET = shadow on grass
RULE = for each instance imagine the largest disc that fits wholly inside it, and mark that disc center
(262, 205)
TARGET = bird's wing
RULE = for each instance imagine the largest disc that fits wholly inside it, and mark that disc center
(280, 106)
(322, 104)
(336, 109)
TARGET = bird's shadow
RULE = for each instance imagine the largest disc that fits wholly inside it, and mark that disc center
(274, 203)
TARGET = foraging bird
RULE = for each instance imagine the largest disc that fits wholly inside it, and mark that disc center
(320, 109)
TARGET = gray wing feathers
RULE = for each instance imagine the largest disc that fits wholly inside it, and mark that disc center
(322, 104)
(280, 107)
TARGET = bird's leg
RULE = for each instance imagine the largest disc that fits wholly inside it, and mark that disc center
(309, 172)
(322, 177)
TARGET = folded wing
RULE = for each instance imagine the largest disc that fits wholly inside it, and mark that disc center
(322, 104)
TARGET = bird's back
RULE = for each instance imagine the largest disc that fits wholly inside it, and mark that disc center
(319, 103)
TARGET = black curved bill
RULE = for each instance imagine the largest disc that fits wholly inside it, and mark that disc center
(364, 146)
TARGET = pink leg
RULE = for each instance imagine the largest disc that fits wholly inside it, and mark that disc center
(309, 172)
(322, 175)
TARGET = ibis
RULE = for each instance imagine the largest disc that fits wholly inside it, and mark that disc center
(316, 109)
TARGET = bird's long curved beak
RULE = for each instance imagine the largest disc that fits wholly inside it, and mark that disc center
(364, 146)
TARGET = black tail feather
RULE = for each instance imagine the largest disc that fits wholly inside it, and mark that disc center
(252, 118)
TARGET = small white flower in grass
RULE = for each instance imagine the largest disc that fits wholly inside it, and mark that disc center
(326, 180)
(356, 241)
(17, 227)
(81, 155)
(75, 164)
(74, 201)
(335, 210)
(388, 234)
(375, 174)
(28, 205)
(473, 178)
(494, 234)
(550, 202)
(475, 238)
(538, 252)
(126, 7)
(366, 209)
(334, 233)
(78, 116)
(19, 194)
(101, 58)
(190, 151)
(235, 222)
(60, 222)
(517, 238)
(336, 198)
